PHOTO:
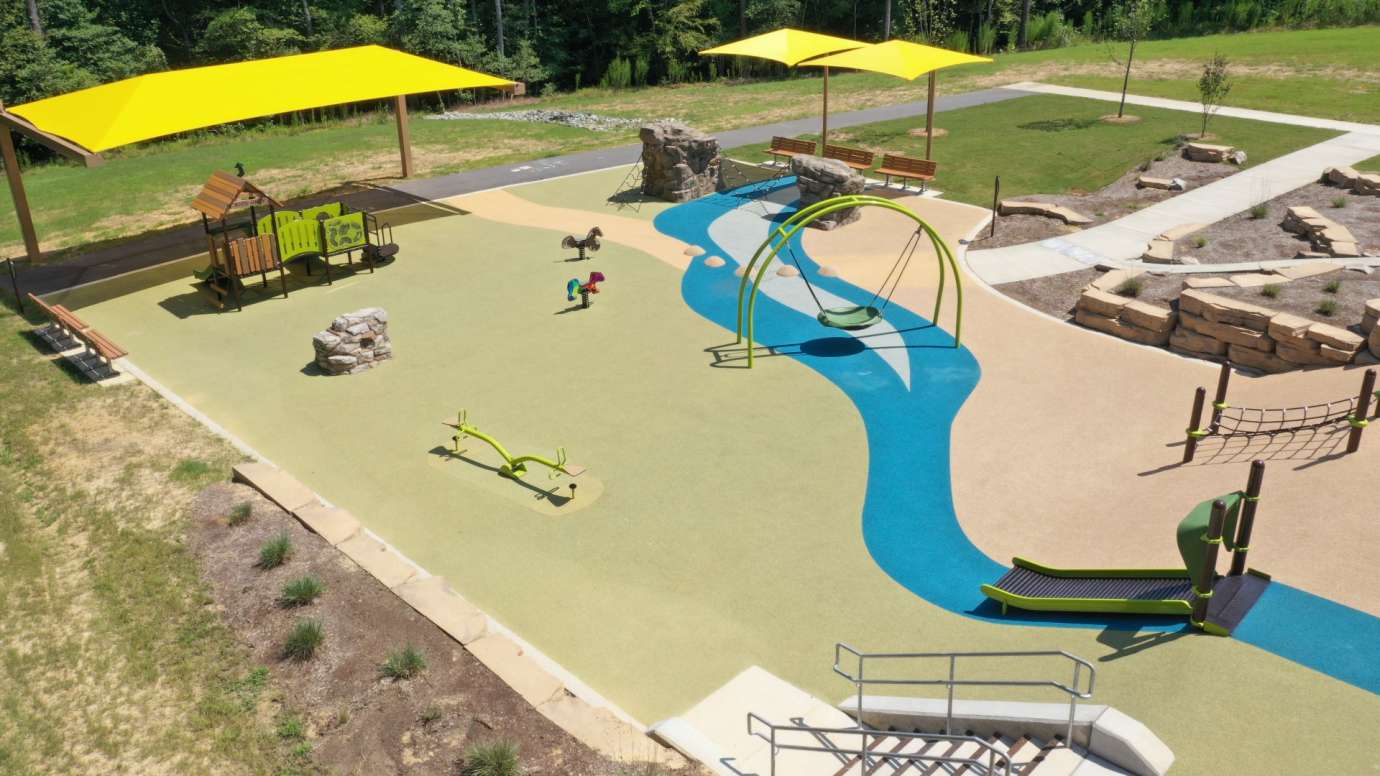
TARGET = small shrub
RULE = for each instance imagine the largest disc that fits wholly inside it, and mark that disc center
(1332, 287)
(1130, 287)
(275, 551)
(1326, 307)
(1339, 202)
(1270, 290)
(429, 715)
(240, 514)
(499, 758)
(1259, 211)
(299, 592)
(403, 664)
(1200, 242)
(304, 640)
(291, 728)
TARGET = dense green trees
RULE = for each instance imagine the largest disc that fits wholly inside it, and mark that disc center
(51, 46)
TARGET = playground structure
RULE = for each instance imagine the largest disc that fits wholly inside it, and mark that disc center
(590, 242)
(1229, 421)
(513, 467)
(574, 287)
(851, 317)
(328, 230)
(1213, 603)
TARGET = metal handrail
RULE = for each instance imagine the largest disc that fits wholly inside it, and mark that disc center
(997, 759)
(1072, 689)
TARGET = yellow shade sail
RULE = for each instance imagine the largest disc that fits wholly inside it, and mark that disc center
(787, 46)
(900, 58)
(159, 104)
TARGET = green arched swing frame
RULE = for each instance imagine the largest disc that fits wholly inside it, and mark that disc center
(855, 317)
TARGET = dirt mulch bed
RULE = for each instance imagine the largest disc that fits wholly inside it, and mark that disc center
(1242, 237)
(356, 721)
(1107, 204)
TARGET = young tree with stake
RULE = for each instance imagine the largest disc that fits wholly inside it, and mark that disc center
(1213, 87)
(1131, 22)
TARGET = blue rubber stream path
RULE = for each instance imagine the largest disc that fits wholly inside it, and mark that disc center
(908, 519)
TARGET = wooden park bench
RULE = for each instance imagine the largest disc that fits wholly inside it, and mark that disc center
(783, 148)
(855, 158)
(908, 168)
(63, 325)
(66, 332)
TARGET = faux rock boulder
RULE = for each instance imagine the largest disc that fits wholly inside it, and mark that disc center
(819, 179)
(678, 163)
(1207, 152)
(354, 342)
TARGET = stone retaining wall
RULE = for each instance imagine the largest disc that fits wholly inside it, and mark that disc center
(1211, 326)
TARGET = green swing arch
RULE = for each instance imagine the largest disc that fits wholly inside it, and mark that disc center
(856, 316)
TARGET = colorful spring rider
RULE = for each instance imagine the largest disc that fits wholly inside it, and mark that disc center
(589, 243)
(513, 467)
(574, 287)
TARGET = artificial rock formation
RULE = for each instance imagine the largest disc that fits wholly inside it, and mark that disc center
(678, 163)
(355, 342)
(819, 179)
(1207, 152)
(1013, 207)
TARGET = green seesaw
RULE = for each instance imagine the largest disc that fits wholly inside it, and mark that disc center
(512, 467)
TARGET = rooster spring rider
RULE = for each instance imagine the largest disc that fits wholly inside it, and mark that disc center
(590, 242)
(574, 286)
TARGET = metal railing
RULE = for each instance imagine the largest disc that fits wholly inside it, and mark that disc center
(863, 678)
(819, 739)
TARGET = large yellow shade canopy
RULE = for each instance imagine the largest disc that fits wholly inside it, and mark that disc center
(900, 58)
(787, 46)
(159, 104)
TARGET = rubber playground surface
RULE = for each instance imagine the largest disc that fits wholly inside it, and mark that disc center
(850, 488)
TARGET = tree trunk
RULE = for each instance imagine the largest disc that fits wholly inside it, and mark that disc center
(1126, 82)
(306, 15)
(742, 18)
(35, 22)
(886, 22)
(498, 24)
(1025, 24)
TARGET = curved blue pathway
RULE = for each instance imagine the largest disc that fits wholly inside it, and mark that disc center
(908, 520)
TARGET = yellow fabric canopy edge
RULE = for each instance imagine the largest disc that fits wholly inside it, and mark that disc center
(899, 58)
(786, 45)
(165, 103)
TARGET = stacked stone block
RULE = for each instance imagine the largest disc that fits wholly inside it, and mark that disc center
(354, 342)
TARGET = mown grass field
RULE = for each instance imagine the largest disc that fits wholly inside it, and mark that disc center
(1046, 144)
(111, 659)
(1328, 73)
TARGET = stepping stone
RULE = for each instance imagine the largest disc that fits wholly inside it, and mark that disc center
(693, 251)
(714, 261)
(1201, 282)
(828, 271)
(1112, 280)
(1165, 184)
(1254, 279)
(787, 271)
(1159, 252)
(1308, 270)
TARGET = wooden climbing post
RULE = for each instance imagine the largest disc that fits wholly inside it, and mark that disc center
(1202, 586)
(1358, 420)
(1195, 419)
(1219, 401)
(1242, 545)
(404, 134)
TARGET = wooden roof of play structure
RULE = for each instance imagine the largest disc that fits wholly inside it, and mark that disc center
(223, 192)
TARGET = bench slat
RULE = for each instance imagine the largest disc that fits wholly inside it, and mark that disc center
(102, 345)
(856, 158)
(789, 146)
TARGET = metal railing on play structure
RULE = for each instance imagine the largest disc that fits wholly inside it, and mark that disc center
(799, 737)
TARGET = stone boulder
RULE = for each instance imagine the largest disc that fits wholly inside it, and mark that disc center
(1371, 317)
(354, 342)
(1164, 184)
(1221, 309)
(1366, 184)
(1374, 343)
(678, 163)
(1013, 207)
(1207, 152)
(819, 179)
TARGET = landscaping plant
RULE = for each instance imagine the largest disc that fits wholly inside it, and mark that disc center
(1213, 87)
(403, 664)
(497, 758)
(1131, 22)
(1327, 307)
(1130, 287)
(240, 514)
(304, 639)
(1270, 290)
(299, 592)
(275, 551)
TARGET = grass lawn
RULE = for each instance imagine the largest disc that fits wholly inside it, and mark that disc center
(1325, 73)
(110, 658)
(1052, 144)
(1370, 165)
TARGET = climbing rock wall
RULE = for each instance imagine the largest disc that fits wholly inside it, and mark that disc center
(678, 163)
(355, 342)
(819, 179)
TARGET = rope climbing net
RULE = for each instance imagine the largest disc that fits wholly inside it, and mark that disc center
(1251, 421)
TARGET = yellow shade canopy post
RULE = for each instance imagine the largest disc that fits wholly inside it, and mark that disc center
(85, 122)
(790, 47)
(902, 59)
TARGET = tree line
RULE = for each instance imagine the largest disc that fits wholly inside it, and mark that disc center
(55, 46)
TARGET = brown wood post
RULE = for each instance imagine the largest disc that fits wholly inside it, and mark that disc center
(404, 134)
(21, 200)
(1242, 545)
(1219, 401)
(824, 126)
(1358, 419)
(1207, 575)
(929, 120)
(1194, 419)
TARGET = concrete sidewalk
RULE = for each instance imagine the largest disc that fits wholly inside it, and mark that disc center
(1122, 242)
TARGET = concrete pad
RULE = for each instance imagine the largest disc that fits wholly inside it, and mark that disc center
(276, 485)
(333, 524)
(1308, 270)
(374, 557)
(603, 732)
(1180, 232)
(1255, 280)
(1192, 282)
(505, 658)
(1159, 252)
(434, 599)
